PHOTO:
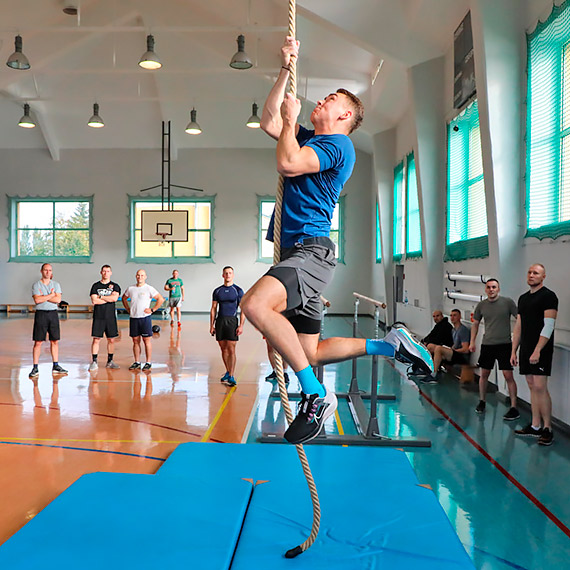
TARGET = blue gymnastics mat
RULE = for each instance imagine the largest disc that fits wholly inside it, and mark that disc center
(357, 467)
(191, 514)
(121, 521)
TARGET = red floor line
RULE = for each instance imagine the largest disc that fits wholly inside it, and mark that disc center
(501, 469)
(152, 424)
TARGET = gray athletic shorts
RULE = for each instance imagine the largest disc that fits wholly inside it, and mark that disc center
(305, 270)
(175, 302)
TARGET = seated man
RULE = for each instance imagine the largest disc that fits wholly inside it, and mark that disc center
(441, 334)
(459, 351)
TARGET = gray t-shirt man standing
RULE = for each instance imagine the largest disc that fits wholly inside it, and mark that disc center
(496, 311)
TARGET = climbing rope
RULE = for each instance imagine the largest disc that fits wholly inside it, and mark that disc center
(278, 360)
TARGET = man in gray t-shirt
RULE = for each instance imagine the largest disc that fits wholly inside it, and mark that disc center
(46, 294)
(496, 311)
(456, 354)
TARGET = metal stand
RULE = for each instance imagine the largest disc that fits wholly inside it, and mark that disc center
(366, 422)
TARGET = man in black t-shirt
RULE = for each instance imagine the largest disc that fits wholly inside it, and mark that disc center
(104, 295)
(534, 331)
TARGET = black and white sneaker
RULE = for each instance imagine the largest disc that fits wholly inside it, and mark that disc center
(480, 409)
(429, 379)
(34, 373)
(409, 350)
(529, 431)
(512, 414)
(57, 369)
(311, 416)
(547, 437)
(147, 367)
(135, 366)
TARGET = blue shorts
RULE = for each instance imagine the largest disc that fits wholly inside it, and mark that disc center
(140, 327)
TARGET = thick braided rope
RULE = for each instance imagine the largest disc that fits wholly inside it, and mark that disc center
(278, 360)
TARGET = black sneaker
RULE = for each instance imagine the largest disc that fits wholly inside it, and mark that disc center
(34, 372)
(147, 367)
(529, 431)
(480, 409)
(512, 414)
(311, 416)
(429, 379)
(271, 377)
(547, 437)
(57, 369)
(135, 366)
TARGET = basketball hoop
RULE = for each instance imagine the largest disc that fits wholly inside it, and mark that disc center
(162, 239)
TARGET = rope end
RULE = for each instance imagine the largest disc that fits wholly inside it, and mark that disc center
(294, 552)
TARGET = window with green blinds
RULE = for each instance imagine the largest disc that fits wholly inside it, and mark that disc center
(399, 228)
(548, 126)
(413, 230)
(466, 208)
(378, 236)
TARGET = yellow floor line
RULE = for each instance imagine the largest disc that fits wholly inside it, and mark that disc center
(87, 440)
(218, 415)
(338, 423)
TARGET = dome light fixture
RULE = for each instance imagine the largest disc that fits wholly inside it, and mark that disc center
(96, 121)
(193, 128)
(18, 60)
(26, 121)
(254, 121)
(149, 59)
(241, 60)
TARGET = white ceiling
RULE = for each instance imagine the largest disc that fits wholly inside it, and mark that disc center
(92, 57)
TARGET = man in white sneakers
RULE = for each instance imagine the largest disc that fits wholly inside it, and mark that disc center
(141, 296)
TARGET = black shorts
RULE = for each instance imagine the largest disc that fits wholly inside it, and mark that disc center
(460, 358)
(107, 327)
(226, 328)
(46, 323)
(544, 365)
(140, 327)
(495, 352)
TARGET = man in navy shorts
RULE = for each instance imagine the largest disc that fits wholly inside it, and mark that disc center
(224, 322)
(285, 305)
(141, 297)
(104, 294)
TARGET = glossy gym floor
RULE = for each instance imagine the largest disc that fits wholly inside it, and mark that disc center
(507, 497)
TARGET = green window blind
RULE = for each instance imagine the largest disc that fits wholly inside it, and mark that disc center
(413, 229)
(399, 229)
(466, 208)
(548, 126)
(378, 236)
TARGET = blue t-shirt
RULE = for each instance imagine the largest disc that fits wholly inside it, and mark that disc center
(228, 299)
(309, 199)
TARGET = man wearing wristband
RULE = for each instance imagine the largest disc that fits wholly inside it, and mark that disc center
(141, 296)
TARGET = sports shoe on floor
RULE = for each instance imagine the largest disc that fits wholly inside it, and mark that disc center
(34, 373)
(179, 325)
(409, 350)
(135, 366)
(512, 414)
(429, 379)
(57, 369)
(147, 366)
(547, 437)
(111, 364)
(311, 416)
(529, 431)
(93, 366)
(480, 409)
(230, 381)
(271, 377)
(224, 378)
(171, 323)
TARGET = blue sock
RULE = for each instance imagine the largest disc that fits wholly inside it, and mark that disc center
(380, 347)
(309, 382)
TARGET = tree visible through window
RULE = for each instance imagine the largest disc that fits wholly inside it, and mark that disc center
(50, 229)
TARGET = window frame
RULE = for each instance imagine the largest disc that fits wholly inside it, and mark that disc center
(378, 234)
(14, 201)
(261, 232)
(131, 257)
(399, 196)
(416, 254)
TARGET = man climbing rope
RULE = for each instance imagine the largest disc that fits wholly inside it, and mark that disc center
(284, 305)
